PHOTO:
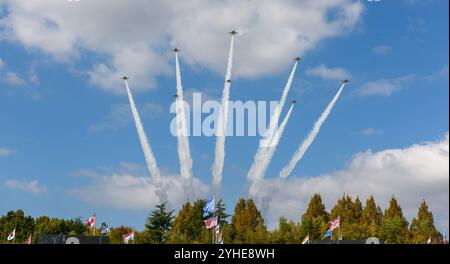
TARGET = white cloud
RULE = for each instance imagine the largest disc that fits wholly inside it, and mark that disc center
(5, 152)
(418, 172)
(33, 187)
(324, 72)
(12, 78)
(120, 116)
(135, 37)
(128, 190)
(384, 87)
(370, 131)
(381, 49)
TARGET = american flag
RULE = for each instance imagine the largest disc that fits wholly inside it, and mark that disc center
(211, 222)
(335, 223)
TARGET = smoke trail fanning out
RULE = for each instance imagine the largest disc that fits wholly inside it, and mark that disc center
(148, 153)
(184, 153)
(270, 151)
(287, 170)
(260, 161)
(217, 167)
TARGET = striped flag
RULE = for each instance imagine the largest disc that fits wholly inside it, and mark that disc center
(128, 237)
(305, 240)
(105, 229)
(212, 222)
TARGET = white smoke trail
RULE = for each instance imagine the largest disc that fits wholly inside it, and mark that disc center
(152, 166)
(270, 151)
(256, 170)
(287, 170)
(184, 153)
(217, 167)
(276, 115)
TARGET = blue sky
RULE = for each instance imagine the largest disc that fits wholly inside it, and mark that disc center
(60, 117)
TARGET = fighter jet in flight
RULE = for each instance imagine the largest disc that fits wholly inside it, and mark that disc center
(294, 101)
(298, 59)
(345, 81)
(228, 81)
(125, 78)
(234, 32)
(175, 50)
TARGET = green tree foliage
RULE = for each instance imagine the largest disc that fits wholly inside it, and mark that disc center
(287, 233)
(24, 225)
(422, 227)
(247, 223)
(349, 213)
(220, 212)
(158, 225)
(371, 218)
(189, 226)
(394, 227)
(315, 221)
(116, 234)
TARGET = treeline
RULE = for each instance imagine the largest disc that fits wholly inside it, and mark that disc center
(357, 222)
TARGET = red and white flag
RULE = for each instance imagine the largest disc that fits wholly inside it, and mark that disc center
(91, 221)
(305, 240)
(28, 241)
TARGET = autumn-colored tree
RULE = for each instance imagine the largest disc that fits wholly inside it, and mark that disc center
(314, 222)
(394, 227)
(422, 227)
(246, 221)
(371, 218)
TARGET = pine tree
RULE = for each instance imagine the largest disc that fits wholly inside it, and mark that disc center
(220, 212)
(422, 226)
(394, 227)
(158, 224)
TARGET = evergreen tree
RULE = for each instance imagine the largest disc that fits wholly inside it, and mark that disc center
(220, 212)
(349, 213)
(394, 227)
(371, 218)
(422, 226)
(314, 222)
(246, 221)
(158, 224)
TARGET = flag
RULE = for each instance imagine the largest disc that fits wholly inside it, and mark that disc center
(429, 241)
(12, 235)
(91, 221)
(211, 222)
(128, 237)
(105, 229)
(209, 206)
(305, 240)
(28, 241)
(335, 223)
(328, 234)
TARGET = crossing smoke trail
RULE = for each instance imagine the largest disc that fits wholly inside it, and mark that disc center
(148, 153)
(256, 172)
(184, 153)
(310, 138)
(270, 151)
(275, 186)
(217, 167)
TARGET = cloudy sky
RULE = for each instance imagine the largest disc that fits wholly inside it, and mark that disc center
(68, 146)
